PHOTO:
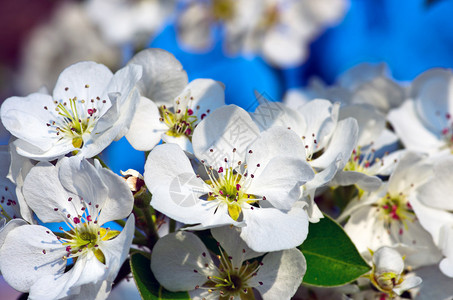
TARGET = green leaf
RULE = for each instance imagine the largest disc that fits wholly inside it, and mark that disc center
(332, 258)
(147, 284)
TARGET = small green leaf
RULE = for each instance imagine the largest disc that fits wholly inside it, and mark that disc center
(332, 258)
(147, 284)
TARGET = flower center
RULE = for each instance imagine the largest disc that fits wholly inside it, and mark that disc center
(232, 281)
(86, 237)
(180, 122)
(84, 234)
(75, 118)
(396, 208)
(229, 184)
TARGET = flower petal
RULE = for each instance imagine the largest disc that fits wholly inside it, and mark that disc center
(231, 241)
(45, 195)
(163, 75)
(178, 261)
(23, 260)
(342, 142)
(221, 131)
(269, 229)
(119, 201)
(146, 129)
(281, 274)
(72, 81)
(206, 95)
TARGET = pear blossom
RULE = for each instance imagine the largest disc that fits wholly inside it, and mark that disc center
(423, 122)
(181, 262)
(328, 143)
(387, 273)
(33, 259)
(90, 108)
(245, 178)
(385, 217)
(169, 108)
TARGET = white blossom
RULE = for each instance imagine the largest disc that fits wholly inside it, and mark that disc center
(90, 107)
(33, 259)
(181, 262)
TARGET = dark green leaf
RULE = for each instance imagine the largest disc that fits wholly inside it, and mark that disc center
(332, 258)
(147, 284)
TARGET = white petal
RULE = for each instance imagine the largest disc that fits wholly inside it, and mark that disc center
(431, 92)
(206, 96)
(280, 181)
(44, 193)
(58, 150)
(412, 132)
(176, 189)
(163, 75)
(72, 81)
(269, 114)
(411, 170)
(178, 261)
(343, 141)
(437, 192)
(370, 122)
(231, 241)
(8, 227)
(22, 260)
(430, 218)
(26, 118)
(320, 119)
(363, 181)
(183, 142)
(277, 141)
(387, 259)
(123, 82)
(223, 130)
(146, 129)
(281, 274)
(407, 284)
(268, 229)
(81, 178)
(116, 250)
(119, 201)
(284, 49)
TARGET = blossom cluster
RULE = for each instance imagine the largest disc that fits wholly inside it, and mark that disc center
(230, 200)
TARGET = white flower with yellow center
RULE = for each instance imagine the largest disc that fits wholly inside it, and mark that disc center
(90, 108)
(169, 107)
(385, 217)
(189, 267)
(33, 259)
(245, 178)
